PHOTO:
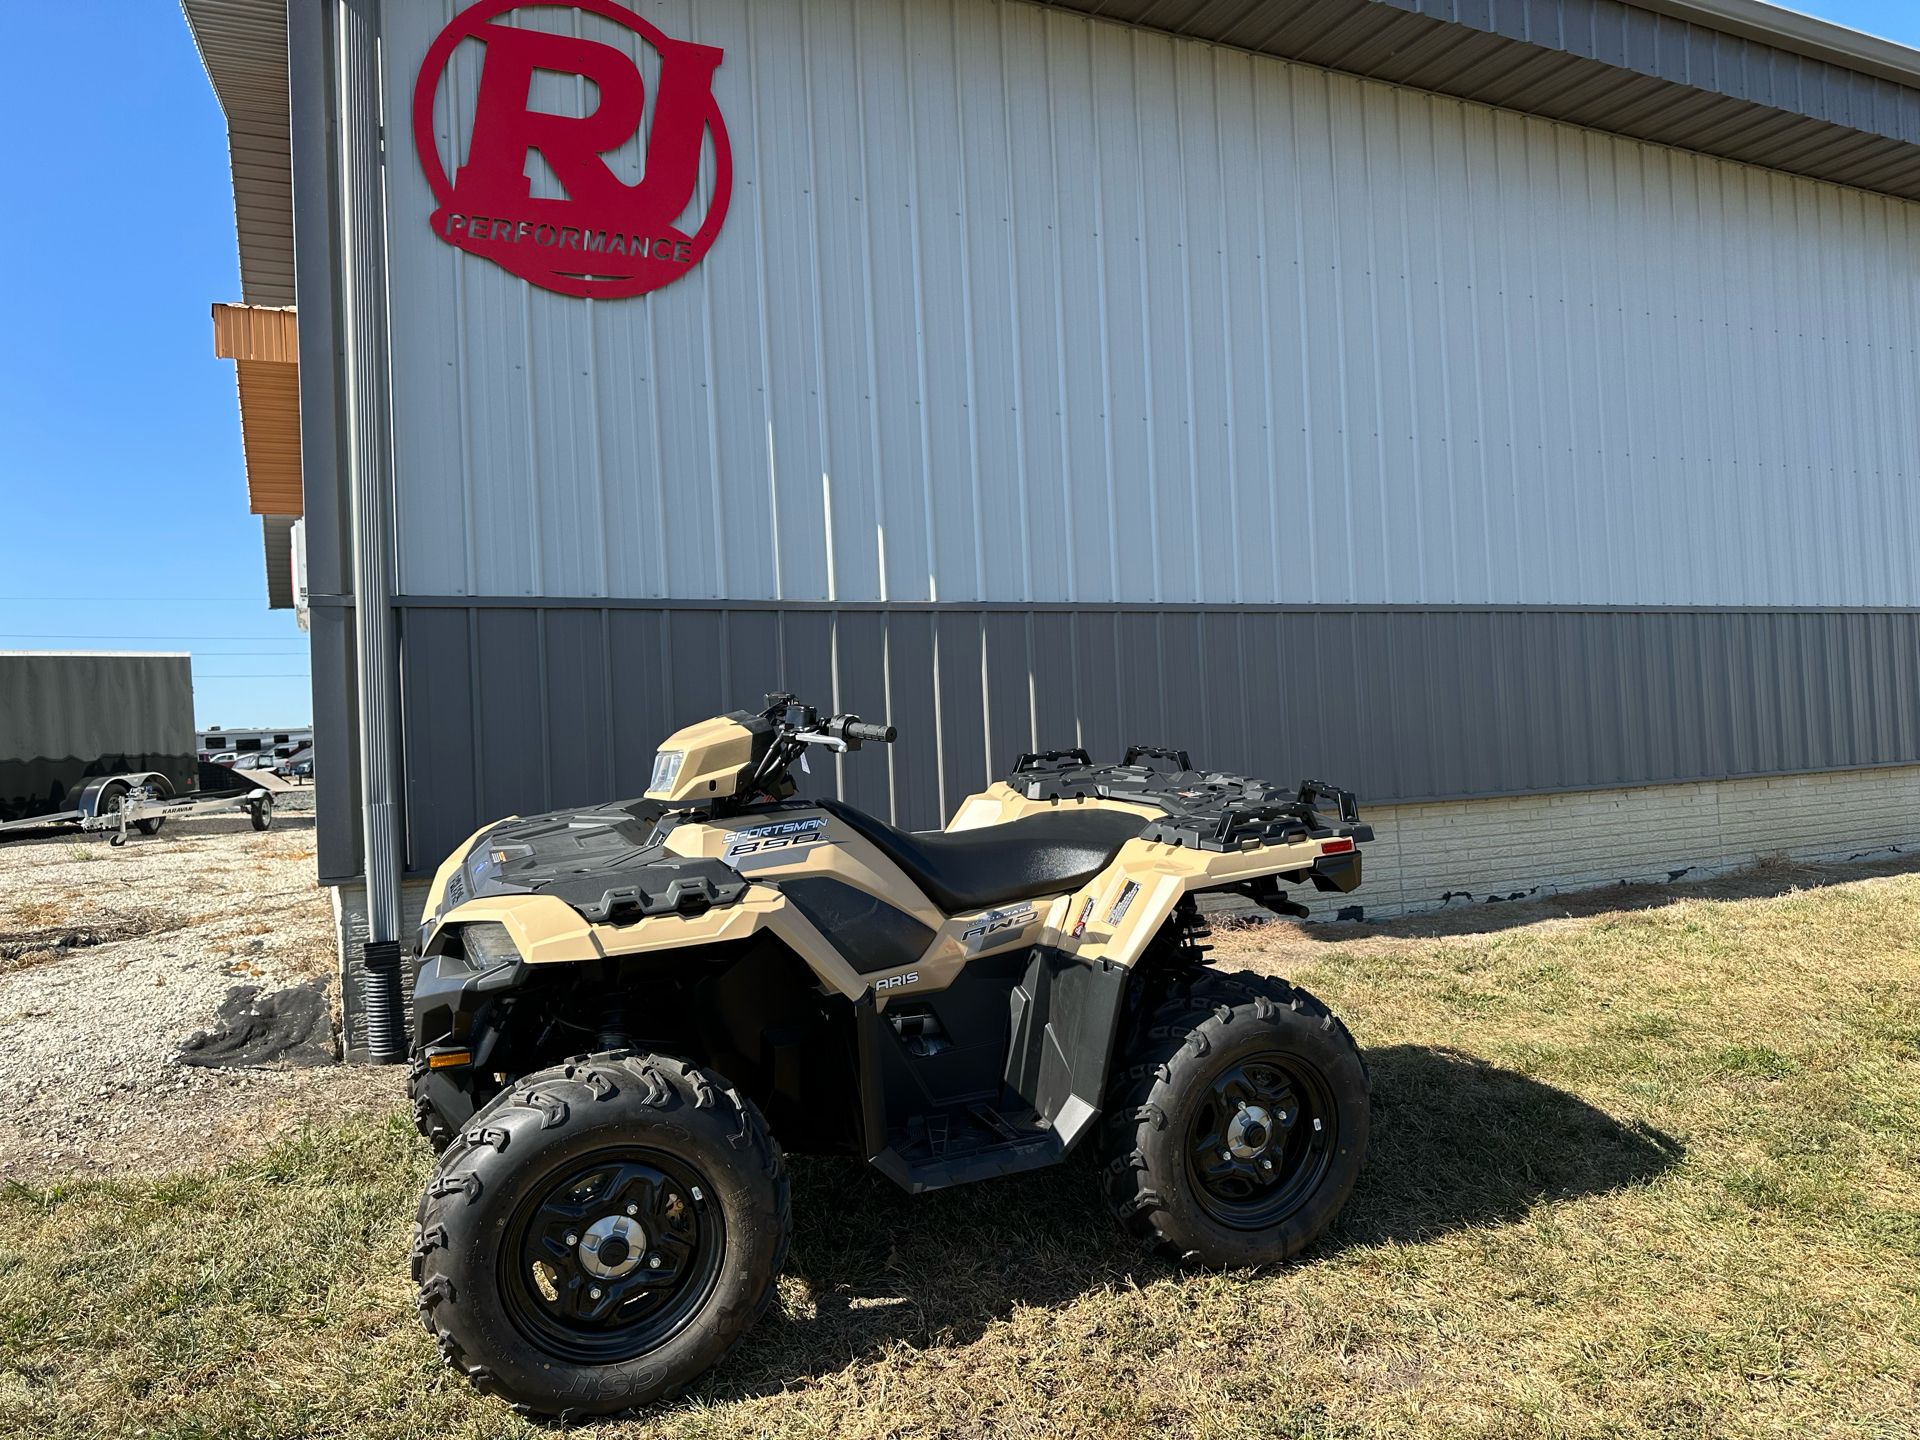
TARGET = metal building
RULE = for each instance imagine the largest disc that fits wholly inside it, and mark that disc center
(1508, 410)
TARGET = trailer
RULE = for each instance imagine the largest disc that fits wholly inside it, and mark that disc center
(105, 742)
(121, 804)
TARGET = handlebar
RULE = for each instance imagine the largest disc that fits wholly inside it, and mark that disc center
(845, 732)
(795, 727)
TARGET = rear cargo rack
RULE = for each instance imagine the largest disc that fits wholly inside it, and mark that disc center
(1206, 809)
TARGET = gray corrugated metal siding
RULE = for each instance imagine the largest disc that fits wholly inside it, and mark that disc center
(1015, 305)
(516, 710)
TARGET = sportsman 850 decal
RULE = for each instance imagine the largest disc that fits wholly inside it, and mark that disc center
(775, 841)
(993, 927)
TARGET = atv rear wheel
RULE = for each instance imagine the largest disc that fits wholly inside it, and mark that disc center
(603, 1234)
(1238, 1124)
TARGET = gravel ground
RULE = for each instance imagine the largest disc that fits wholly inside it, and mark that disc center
(112, 960)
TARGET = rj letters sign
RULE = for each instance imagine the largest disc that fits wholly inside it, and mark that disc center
(610, 234)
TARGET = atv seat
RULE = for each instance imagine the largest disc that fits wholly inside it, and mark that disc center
(972, 869)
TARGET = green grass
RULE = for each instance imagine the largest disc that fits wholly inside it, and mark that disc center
(1650, 1173)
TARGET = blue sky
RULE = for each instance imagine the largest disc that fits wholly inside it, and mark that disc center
(118, 427)
(123, 519)
(1892, 19)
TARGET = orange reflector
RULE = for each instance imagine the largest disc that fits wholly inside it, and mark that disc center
(448, 1058)
(1335, 847)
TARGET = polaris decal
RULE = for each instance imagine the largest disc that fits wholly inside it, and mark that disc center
(774, 841)
(997, 923)
(1120, 906)
(894, 982)
(1086, 914)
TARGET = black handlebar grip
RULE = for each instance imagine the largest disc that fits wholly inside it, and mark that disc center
(860, 730)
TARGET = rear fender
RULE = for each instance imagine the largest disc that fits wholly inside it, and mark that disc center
(1067, 1009)
(1116, 915)
(1000, 803)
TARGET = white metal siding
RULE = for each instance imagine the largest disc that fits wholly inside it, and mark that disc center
(1017, 305)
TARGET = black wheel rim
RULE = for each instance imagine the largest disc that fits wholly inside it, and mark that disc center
(612, 1257)
(1261, 1140)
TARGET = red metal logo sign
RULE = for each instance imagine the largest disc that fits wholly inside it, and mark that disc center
(608, 237)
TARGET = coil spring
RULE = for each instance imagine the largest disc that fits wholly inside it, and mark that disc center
(1186, 933)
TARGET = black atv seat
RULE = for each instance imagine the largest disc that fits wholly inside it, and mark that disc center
(973, 869)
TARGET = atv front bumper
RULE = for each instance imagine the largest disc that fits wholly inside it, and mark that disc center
(450, 995)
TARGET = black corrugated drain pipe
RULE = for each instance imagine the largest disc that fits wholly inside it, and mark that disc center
(382, 1002)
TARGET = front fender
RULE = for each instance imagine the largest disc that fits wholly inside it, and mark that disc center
(548, 931)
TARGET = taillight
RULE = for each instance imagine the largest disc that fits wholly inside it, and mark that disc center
(1335, 847)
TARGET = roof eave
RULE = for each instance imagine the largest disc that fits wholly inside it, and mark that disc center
(1798, 34)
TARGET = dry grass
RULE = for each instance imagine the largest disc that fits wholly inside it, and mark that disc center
(1646, 1173)
(38, 912)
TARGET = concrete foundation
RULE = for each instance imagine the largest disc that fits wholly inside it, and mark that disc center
(350, 935)
(1474, 851)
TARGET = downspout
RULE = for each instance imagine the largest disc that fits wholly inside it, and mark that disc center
(369, 461)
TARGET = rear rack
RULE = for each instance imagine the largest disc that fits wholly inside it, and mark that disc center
(1206, 810)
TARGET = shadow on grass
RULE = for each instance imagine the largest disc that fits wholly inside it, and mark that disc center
(1481, 914)
(1456, 1143)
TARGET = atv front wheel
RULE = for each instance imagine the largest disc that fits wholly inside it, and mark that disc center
(427, 1119)
(601, 1235)
(434, 1126)
(1238, 1123)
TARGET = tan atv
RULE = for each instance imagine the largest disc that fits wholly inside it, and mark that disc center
(725, 964)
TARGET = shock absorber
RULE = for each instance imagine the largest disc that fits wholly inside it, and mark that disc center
(612, 1032)
(1188, 932)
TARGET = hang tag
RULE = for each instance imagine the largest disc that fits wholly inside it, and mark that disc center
(805, 769)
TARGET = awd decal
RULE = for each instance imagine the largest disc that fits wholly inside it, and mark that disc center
(894, 982)
(995, 922)
(1120, 906)
(774, 839)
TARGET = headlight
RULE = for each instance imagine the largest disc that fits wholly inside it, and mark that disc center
(666, 770)
(484, 947)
